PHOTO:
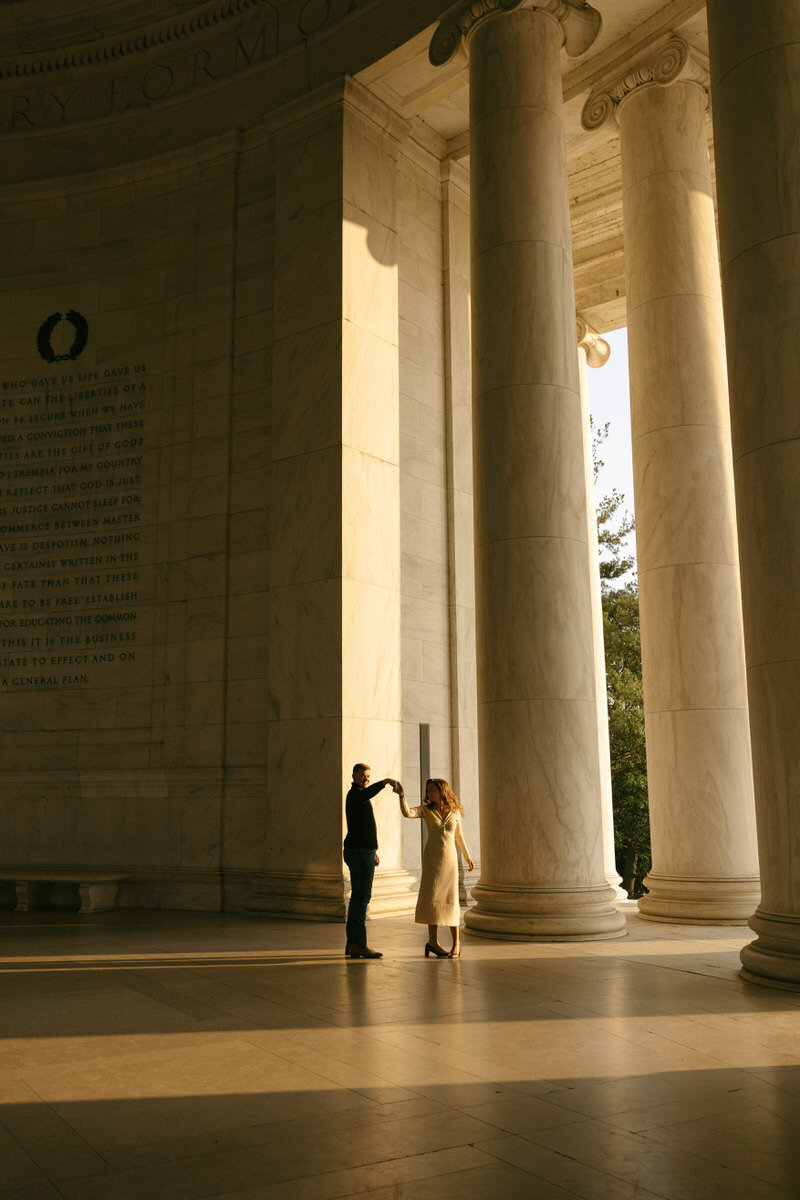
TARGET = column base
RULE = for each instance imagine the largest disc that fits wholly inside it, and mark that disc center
(773, 959)
(323, 897)
(527, 914)
(700, 901)
(394, 893)
(614, 880)
(299, 896)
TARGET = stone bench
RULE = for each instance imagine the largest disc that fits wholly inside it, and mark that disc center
(97, 889)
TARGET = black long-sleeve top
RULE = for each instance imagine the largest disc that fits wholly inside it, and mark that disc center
(362, 833)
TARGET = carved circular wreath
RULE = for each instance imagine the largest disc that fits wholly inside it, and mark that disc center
(79, 324)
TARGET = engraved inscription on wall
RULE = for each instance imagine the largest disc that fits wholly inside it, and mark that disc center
(72, 447)
(192, 62)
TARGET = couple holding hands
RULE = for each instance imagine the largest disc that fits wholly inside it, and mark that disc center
(437, 902)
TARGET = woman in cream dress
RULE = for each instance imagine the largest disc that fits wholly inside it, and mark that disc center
(437, 903)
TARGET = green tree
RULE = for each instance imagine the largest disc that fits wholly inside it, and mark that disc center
(613, 525)
(623, 654)
(626, 732)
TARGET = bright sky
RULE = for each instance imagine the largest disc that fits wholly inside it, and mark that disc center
(608, 402)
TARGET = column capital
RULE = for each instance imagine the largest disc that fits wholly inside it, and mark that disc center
(579, 21)
(597, 350)
(672, 61)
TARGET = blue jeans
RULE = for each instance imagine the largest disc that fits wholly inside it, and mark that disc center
(362, 871)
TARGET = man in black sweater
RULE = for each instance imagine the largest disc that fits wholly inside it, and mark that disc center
(361, 856)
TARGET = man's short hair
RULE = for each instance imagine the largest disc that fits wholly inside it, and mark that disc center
(360, 767)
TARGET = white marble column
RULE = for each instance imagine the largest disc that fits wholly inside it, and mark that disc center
(542, 873)
(334, 631)
(705, 864)
(594, 352)
(755, 71)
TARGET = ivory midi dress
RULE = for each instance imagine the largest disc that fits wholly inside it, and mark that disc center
(437, 902)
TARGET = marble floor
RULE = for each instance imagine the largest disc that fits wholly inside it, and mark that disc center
(149, 1056)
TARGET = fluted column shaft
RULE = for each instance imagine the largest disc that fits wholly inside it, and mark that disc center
(541, 836)
(705, 866)
(755, 72)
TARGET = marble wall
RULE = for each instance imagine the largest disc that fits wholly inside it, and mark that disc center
(141, 707)
(168, 766)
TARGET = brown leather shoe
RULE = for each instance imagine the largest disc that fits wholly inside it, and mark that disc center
(364, 952)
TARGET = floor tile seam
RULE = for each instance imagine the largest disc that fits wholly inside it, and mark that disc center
(402, 1158)
(45, 1178)
(459, 1172)
(293, 1009)
(584, 1167)
(366, 1081)
(341, 1054)
(578, 1117)
(642, 1138)
(241, 1150)
(486, 1014)
(726, 1122)
(756, 1046)
(711, 1061)
(597, 1172)
(714, 1033)
(283, 1126)
(208, 979)
(597, 1116)
(734, 985)
(302, 1051)
(367, 1165)
(419, 1045)
(190, 1011)
(485, 1071)
(75, 1133)
(742, 1104)
(347, 1194)
(379, 1081)
(704, 1157)
(438, 1035)
(371, 1165)
(489, 1065)
(739, 1016)
(793, 1095)
(108, 1052)
(293, 1063)
(640, 1036)
(702, 1018)
(151, 993)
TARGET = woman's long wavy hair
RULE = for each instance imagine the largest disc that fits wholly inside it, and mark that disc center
(448, 795)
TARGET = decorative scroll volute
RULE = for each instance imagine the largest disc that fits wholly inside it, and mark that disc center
(672, 61)
(580, 23)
